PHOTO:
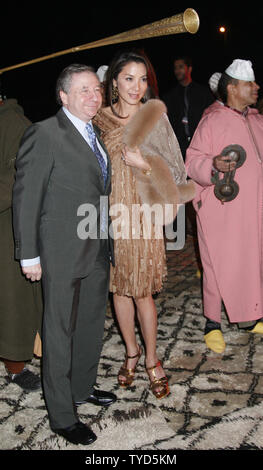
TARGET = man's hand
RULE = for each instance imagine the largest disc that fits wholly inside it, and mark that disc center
(33, 273)
(223, 163)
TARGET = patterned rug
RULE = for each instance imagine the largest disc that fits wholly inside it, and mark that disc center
(215, 401)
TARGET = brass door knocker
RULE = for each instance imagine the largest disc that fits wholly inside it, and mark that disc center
(226, 189)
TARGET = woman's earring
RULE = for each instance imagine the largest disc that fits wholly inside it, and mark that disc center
(115, 94)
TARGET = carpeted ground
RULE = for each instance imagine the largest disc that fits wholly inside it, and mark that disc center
(215, 401)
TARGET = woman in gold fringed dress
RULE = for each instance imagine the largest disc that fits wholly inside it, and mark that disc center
(131, 131)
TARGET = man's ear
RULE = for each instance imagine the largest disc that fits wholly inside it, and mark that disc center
(189, 71)
(63, 97)
(231, 89)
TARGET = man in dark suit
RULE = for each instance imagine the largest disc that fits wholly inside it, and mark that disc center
(186, 102)
(63, 168)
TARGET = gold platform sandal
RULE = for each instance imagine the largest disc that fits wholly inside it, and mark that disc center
(159, 387)
(128, 373)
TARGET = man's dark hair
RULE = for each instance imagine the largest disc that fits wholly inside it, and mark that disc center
(65, 78)
(223, 83)
(186, 59)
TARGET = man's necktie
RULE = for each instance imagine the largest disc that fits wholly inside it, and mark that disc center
(95, 148)
(104, 171)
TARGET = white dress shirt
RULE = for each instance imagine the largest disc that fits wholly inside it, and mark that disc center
(81, 127)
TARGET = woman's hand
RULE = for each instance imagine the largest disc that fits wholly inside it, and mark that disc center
(134, 158)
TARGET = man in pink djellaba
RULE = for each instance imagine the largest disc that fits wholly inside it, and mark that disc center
(230, 230)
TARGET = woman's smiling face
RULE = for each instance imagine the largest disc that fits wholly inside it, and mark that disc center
(132, 83)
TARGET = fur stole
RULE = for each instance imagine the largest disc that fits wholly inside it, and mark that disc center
(159, 187)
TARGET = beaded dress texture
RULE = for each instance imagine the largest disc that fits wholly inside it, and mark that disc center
(140, 262)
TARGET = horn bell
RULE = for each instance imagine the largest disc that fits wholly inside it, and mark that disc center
(191, 20)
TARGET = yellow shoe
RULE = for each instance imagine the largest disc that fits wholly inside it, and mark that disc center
(215, 341)
(258, 328)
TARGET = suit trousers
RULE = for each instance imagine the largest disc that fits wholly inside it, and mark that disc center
(73, 327)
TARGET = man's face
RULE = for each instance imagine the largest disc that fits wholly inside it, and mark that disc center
(245, 93)
(84, 98)
(181, 70)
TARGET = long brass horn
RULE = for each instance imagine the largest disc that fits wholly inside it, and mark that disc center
(188, 21)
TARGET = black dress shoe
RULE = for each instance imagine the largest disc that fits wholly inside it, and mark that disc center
(26, 379)
(99, 398)
(78, 433)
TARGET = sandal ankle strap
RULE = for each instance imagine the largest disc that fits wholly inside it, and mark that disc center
(136, 355)
(154, 367)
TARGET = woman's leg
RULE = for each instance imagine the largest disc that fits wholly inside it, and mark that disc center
(125, 313)
(147, 316)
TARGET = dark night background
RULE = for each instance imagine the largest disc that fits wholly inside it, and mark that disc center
(28, 31)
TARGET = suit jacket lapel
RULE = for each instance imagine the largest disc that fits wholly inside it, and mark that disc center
(66, 123)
